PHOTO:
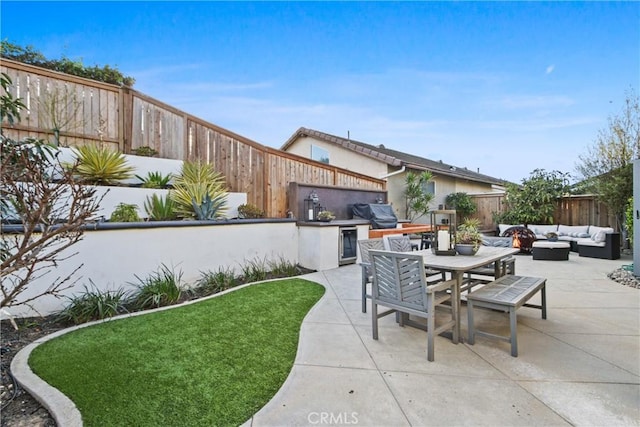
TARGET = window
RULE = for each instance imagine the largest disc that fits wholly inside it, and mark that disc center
(319, 154)
(429, 187)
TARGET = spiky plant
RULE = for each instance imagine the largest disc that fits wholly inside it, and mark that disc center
(195, 182)
(101, 166)
(155, 180)
(160, 208)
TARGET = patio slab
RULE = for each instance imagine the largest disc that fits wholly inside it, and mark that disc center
(580, 366)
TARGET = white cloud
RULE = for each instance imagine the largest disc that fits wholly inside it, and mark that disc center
(550, 69)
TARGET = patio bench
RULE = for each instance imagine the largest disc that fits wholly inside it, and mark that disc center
(508, 293)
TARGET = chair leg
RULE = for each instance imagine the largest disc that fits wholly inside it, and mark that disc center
(364, 295)
(374, 319)
(431, 325)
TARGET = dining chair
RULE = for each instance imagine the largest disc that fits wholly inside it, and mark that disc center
(365, 264)
(400, 285)
(401, 243)
(398, 243)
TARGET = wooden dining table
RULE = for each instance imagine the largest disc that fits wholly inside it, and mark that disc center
(457, 265)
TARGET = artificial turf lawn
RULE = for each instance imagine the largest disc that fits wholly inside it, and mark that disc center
(216, 362)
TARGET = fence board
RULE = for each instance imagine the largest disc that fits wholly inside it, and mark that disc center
(129, 119)
(571, 210)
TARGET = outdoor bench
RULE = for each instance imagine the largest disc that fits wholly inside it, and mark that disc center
(508, 293)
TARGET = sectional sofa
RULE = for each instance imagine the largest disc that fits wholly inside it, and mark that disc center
(588, 240)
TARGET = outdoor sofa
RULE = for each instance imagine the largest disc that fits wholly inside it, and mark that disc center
(588, 240)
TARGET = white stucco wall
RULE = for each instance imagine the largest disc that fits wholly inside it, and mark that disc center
(112, 258)
(137, 196)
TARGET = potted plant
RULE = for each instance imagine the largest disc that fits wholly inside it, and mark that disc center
(326, 216)
(468, 238)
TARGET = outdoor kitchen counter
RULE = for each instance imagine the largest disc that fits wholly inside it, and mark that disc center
(334, 223)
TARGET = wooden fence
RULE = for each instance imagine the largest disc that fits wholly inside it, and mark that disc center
(570, 210)
(83, 111)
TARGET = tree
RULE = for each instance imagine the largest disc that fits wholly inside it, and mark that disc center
(42, 216)
(416, 197)
(607, 167)
(534, 201)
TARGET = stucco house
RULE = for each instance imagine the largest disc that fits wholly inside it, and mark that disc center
(391, 165)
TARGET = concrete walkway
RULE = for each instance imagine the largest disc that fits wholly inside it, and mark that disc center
(580, 367)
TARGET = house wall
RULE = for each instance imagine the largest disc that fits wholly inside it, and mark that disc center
(340, 157)
(356, 162)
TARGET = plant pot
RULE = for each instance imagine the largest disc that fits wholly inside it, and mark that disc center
(466, 249)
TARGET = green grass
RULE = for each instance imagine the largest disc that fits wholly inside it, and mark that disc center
(216, 362)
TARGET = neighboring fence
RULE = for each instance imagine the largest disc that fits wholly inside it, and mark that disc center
(84, 111)
(571, 210)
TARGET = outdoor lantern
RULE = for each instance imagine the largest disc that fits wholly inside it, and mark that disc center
(443, 232)
(311, 206)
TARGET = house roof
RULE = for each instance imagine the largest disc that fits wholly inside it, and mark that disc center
(395, 158)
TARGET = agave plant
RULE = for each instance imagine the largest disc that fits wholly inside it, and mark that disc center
(198, 180)
(160, 208)
(208, 209)
(155, 180)
(101, 166)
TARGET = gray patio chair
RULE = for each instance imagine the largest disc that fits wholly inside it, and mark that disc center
(400, 243)
(365, 264)
(399, 283)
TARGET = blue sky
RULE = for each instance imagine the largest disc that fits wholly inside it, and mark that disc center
(504, 87)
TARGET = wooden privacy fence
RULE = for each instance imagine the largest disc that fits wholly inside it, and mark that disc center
(570, 210)
(83, 111)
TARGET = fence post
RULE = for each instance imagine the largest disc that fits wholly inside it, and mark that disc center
(125, 120)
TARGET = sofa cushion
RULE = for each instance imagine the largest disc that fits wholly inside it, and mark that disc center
(573, 230)
(598, 233)
(542, 229)
(590, 242)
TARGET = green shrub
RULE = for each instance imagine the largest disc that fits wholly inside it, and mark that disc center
(282, 267)
(144, 151)
(160, 288)
(64, 65)
(195, 182)
(101, 166)
(93, 305)
(248, 211)
(254, 270)
(155, 180)
(212, 282)
(462, 203)
(125, 212)
(160, 208)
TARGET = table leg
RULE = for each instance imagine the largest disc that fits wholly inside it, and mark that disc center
(513, 324)
(455, 305)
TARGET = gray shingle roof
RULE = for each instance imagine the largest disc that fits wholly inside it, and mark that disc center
(394, 157)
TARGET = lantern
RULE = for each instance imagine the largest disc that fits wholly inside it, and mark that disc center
(311, 206)
(443, 232)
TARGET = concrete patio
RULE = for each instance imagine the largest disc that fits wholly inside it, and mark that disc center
(580, 367)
